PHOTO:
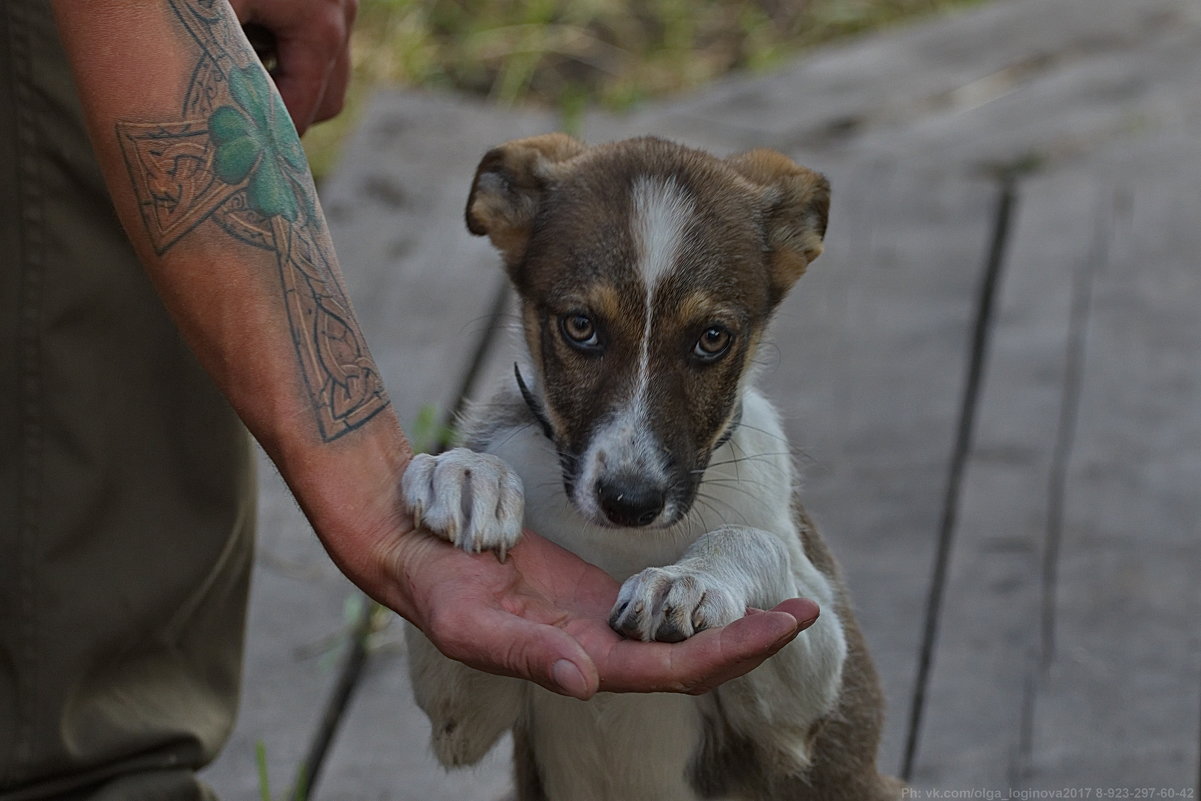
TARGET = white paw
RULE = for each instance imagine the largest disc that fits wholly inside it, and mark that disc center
(474, 500)
(670, 604)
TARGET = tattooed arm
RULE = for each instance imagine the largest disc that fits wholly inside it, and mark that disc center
(208, 179)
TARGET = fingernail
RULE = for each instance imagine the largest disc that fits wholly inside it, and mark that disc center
(789, 635)
(800, 626)
(569, 679)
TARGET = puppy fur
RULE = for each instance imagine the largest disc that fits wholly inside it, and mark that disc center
(647, 273)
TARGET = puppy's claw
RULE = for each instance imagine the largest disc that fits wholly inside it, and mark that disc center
(670, 604)
(472, 500)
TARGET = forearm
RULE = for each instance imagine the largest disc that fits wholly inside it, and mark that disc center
(209, 181)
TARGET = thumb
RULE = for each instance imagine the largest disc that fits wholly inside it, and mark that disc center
(513, 646)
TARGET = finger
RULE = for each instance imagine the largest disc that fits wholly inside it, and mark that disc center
(498, 642)
(301, 77)
(334, 96)
(748, 642)
(706, 660)
(804, 610)
(339, 77)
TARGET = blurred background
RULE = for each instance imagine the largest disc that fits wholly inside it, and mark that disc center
(572, 55)
(991, 378)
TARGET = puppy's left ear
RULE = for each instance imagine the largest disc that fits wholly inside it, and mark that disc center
(797, 202)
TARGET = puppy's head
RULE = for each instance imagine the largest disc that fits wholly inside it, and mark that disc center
(647, 273)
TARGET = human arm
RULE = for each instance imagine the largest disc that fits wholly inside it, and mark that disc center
(209, 182)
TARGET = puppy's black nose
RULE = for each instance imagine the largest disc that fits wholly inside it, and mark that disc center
(629, 502)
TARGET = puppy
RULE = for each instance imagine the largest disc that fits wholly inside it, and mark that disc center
(647, 273)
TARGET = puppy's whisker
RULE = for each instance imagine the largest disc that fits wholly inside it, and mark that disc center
(778, 437)
(742, 485)
(741, 489)
(737, 459)
(514, 431)
(703, 503)
(711, 502)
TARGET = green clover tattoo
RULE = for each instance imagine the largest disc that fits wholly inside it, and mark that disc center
(257, 140)
(233, 158)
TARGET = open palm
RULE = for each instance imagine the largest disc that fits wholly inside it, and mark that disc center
(543, 615)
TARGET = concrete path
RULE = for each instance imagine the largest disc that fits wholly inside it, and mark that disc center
(992, 379)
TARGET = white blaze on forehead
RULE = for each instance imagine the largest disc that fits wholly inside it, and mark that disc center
(661, 210)
(660, 213)
(626, 445)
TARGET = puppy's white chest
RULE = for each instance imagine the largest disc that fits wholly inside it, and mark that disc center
(616, 747)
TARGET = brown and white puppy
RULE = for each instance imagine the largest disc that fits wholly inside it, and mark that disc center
(647, 273)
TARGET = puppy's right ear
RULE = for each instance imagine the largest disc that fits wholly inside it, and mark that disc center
(508, 187)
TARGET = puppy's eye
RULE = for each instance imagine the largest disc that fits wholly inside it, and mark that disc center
(579, 330)
(713, 344)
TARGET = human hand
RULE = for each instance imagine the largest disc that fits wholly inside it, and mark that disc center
(543, 615)
(310, 44)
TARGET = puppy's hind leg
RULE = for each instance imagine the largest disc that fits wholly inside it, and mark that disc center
(468, 710)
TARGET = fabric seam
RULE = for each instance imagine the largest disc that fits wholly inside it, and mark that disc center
(31, 262)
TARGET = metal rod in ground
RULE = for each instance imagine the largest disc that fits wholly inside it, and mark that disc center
(977, 355)
(348, 679)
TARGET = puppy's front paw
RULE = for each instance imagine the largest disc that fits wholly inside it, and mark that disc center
(474, 500)
(670, 604)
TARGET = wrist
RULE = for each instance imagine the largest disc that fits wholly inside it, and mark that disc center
(349, 489)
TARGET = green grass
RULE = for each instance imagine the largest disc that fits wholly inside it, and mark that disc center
(570, 55)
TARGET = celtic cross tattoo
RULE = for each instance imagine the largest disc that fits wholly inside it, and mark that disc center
(233, 159)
